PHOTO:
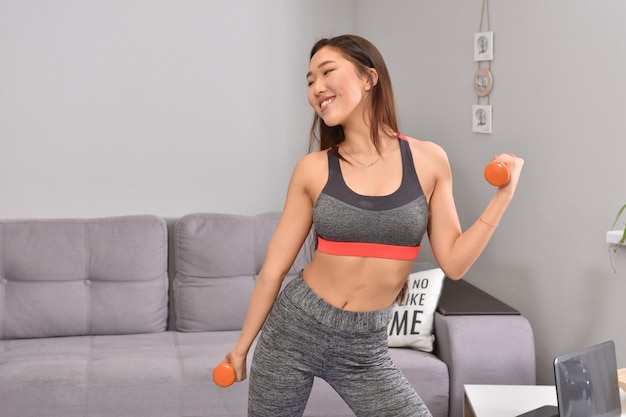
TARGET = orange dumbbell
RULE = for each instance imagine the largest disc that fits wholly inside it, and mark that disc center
(224, 375)
(497, 173)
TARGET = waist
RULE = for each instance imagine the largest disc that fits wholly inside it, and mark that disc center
(301, 295)
(367, 249)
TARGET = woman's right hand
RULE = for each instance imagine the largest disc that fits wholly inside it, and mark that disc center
(239, 363)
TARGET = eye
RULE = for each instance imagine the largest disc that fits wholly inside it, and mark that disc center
(328, 71)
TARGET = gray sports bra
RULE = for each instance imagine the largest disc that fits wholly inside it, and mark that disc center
(352, 224)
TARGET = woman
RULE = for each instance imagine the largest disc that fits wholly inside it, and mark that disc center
(362, 194)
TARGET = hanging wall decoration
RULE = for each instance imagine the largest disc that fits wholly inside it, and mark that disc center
(483, 78)
(483, 45)
(481, 118)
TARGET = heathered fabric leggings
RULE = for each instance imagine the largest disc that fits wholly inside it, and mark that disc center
(305, 337)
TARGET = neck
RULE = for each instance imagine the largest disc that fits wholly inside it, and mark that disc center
(359, 141)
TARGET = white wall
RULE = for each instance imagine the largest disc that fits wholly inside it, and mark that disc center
(164, 107)
(559, 101)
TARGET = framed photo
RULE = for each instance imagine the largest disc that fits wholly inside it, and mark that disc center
(481, 118)
(483, 46)
(483, 82)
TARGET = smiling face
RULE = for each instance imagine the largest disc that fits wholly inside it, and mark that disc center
(338, 92)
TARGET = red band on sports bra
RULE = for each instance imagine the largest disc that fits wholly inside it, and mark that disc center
(371, 250)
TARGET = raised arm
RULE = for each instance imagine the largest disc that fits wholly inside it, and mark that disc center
(455, 250)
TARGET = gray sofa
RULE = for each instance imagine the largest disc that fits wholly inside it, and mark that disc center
(127, 316)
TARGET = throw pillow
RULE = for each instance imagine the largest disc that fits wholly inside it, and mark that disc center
(412, 321)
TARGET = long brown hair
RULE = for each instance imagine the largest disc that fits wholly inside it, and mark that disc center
(364, 55)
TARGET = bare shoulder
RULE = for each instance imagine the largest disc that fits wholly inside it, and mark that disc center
(311, 164)
(430, 150)
(313, 159)
(311, 173)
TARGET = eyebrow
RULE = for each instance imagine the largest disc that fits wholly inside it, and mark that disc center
(328, 61)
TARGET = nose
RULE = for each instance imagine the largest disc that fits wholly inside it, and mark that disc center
(316, 91)
(318, 88)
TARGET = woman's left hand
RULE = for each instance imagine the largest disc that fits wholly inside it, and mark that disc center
(515, 165)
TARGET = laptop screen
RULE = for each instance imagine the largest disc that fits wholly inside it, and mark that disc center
(586, 382)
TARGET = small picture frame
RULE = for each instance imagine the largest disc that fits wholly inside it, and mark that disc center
(483, 46)
(483, 82)
(481, 118)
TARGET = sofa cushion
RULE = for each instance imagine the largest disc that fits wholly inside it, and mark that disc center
(68, 277)
(413, 318)
(216, 259)
(159, 375)
(106, 376)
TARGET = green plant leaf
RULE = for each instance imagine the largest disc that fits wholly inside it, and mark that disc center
(619, 213)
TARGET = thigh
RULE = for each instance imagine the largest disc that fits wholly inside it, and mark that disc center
(371, 384)
(281, 376)
(277, 388)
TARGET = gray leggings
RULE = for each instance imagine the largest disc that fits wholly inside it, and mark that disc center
(305, 337)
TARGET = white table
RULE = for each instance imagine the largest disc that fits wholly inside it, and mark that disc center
(511, 400)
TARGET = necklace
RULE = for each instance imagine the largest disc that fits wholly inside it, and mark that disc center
(361, 163)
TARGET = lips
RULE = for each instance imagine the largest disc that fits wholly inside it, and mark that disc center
(326, 102)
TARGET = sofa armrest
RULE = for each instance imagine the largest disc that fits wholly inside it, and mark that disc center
(482, 345)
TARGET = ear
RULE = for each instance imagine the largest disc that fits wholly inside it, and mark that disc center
(372, 79)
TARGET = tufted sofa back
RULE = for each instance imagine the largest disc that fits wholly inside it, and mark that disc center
(83, 277)
(216, 260)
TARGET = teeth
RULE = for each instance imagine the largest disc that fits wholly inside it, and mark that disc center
(326, 102)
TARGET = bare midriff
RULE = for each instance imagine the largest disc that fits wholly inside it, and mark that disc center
(355, 283)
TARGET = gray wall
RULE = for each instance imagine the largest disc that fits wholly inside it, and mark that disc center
(164, 107)
(559, 101)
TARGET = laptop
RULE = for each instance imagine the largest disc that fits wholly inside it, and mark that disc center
(586, 384)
